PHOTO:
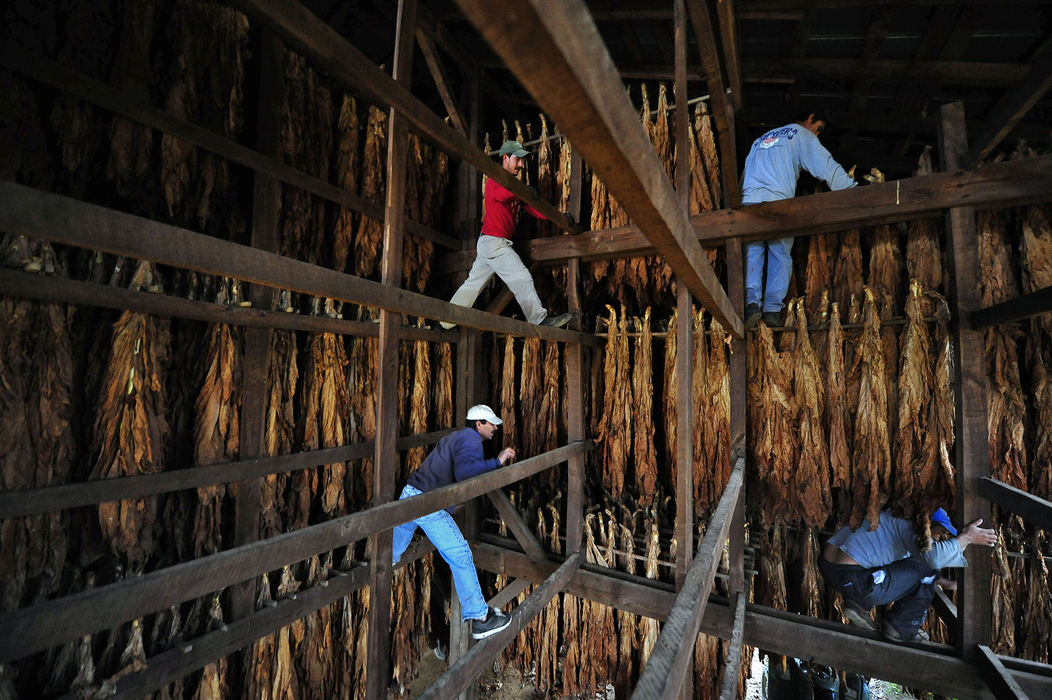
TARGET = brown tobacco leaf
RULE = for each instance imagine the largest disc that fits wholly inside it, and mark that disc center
(325, 405)
(509, 395)
(819, 278)
(774, 414)
(279, 426)
(707, 143)
(836, 403)
(643, 456)
(670, 395)
(614, 425)
(368, 241)
(700, 195)
(871, 458)
(717, 413)
(349, 131)
(809, 482)
(847, 274)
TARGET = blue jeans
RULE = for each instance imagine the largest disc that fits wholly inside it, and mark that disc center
(908, 583)
(779, 269)
(443, 532)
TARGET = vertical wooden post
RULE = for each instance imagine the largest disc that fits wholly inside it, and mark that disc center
(684, 337)
(266, 207)
(736, 292)
(385, 460)
(971, 448)
(575, 368)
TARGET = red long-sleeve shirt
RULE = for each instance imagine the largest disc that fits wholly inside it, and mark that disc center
(502, 207)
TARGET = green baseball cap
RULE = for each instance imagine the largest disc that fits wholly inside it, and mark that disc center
(513, 148)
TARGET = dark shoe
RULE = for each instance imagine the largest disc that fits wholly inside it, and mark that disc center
(752, 315)
(556, 321)
(858, 616)
(892, 635)
(495, 621)
(773, 319)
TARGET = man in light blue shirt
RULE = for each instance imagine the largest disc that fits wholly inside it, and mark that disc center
(887, 565)
(771, 171)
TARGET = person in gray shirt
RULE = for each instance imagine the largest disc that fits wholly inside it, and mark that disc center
(771, 171)
(886, 566)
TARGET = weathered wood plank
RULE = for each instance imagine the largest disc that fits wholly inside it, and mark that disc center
(570, 72)
(333, 54)
(438, 74)
(49, 499)
(729, 690)
(1013, 183)
(998, 677)
(971, 446)
(78, 84)
(64, 220)
(1033, 509)
(1028, 305)
(975, 73)
(739, 393)
(731, 54)
(513, 519)
(673, 655)
(469, 666)
(684, 434)
(47, 624)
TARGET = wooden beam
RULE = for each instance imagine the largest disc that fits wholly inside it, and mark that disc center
(729, 690)
(739, 393)
(569, 71)
(673, 655)
(438, 74)
(722, 108)
(1028, 305)
(385, 460)
(333, 54)
(80, 85)
(998, 677)
(971, 446)
(945, 608)
(50, 499)
(924, 666)
(1013, 183)
(574, 360)
(64, 220)
(968, 73)
(1009, 110)
(731, 52)
(482, 655)
(513, 519)
(51, 623)
(1033, 509)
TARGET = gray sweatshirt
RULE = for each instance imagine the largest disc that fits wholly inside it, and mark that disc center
(895, 539)
(776, 159)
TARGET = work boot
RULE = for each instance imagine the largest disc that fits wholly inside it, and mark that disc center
(773, 319)
(494, 622)
(858, 615)
(892, 635)
(556, 321)
(752, 316)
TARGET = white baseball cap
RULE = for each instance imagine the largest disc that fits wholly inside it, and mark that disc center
(483, 412)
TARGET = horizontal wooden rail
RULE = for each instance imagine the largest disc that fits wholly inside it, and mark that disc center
(47, 499)
(69, 221)
(931, 667)
(673, 655)
(66, 291)
(85, 87)
(1033, 509)
(482, 654)
(1028, 305)
(47, 624)
(1010, 183)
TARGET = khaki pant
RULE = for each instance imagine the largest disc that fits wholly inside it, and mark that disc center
(496, 255)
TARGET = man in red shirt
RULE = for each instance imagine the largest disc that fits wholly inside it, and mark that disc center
(494, 253)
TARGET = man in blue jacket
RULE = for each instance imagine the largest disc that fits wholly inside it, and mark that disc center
(771, 171)
(886, 565)
(456, 457)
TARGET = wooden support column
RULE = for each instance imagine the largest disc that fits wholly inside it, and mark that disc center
(738, 380)
(575, 378)
(266, 207)
(386, 459)
(971, 448)
(684, 311)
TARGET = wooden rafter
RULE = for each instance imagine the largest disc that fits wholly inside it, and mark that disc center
(722, 109)
(731, 51)
(41, 626)
(1024, 181)
(1012, 107)
(998, 677)
(1028, 305)
(438, 73)
(729, 689)
(673, 655)
(974, 73)
(333, 54)
(569, 71)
